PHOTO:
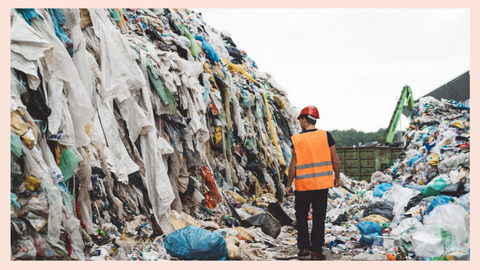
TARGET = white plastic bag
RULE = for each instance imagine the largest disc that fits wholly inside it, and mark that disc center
(448, 221)
(400, 196)
(427, 245)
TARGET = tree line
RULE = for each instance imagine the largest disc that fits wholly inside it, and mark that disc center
(351, 137)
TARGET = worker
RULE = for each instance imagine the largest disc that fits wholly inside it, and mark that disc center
(313, 164)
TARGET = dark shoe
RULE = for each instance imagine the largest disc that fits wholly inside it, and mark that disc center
(304, 252)
(318, 257)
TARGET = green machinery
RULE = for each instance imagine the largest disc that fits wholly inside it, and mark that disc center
(392, 127)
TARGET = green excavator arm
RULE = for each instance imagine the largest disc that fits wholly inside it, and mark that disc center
(392, 127)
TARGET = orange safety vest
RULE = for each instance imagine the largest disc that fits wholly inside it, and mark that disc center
(314, 168)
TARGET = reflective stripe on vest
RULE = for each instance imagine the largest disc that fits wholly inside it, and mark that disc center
(314, 165)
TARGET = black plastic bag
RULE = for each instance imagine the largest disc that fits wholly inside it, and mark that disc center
(154, 35)
(454, 190)
(266, 222)
(277, 212)
(341, 218)
(384, 209)
(414, 201)
(34, 99)
(236, 219)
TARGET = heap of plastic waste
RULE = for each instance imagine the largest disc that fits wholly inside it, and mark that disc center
(129, 126)
(419, 209)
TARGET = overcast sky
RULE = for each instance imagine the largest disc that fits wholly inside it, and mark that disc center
(352, 63)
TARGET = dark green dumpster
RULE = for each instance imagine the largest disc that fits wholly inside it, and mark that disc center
(361, 162)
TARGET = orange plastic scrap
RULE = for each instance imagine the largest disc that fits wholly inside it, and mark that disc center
(58, 151)
(213, 107)
(209, 179)
(210, 201)
(79, 215)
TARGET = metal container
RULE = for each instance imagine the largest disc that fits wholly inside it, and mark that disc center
(361, 162)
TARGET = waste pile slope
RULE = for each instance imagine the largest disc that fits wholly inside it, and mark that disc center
(133, 130)
(419, 208)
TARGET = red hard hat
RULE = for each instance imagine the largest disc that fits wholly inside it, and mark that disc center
(309, 110)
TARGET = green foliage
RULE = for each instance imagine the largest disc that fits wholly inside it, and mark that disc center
(348, 138)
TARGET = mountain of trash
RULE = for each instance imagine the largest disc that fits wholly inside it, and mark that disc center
(146, 134)
(418, 209)
(129, 126)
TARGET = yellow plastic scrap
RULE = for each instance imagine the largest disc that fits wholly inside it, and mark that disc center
(261, 203)
(267, 154)
(270, 189)
(218, 134)
(433, 159)
(458, 124)
(121, 21)
(252, 211)
(85, 19)
(31, 183)
(241, 70)
(258, 188)
(183, 221)
(87, 129)
(272, 131)
(279, 101)
(235, 196)
(233, 250)
(377, 219)
(243, 233)
(207, 69)
(21, 128)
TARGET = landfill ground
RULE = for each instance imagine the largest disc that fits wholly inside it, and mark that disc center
(149, 135)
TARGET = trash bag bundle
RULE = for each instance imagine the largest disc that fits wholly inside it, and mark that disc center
(195, 243)
(129, 123)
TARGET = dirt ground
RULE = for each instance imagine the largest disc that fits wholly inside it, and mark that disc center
(291, 254)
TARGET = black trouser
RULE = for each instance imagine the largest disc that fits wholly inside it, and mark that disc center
(318, 199)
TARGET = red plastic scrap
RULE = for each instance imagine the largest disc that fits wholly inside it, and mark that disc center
(79, 216)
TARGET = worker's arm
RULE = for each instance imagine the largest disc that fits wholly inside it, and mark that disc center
(336, 165)
(291, 173)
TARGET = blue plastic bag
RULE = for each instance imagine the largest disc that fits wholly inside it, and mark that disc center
(208, 49)
(369, 227)
(58, 19)
(368, 239)
(28, 14)
(195, 243)
(413, 160)
(369, 231)
(439, 200)
(381, 189)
